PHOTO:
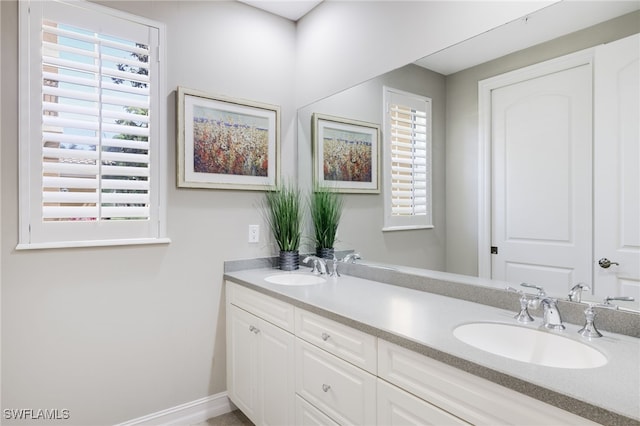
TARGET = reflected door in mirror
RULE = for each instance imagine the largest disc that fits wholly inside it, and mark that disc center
(541, 182)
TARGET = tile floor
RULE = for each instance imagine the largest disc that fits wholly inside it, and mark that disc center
(234, 418)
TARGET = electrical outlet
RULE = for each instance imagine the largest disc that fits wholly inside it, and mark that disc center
(254, 233)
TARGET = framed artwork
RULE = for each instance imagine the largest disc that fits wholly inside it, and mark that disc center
(346, 154)
(226, 143)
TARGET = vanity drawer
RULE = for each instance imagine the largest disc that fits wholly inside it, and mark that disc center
(345, 393)
(465, 395)
(268, 308)
(350, 344)
(308, 415)
(397, 407)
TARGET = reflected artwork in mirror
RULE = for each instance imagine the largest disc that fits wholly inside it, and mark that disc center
(346, 154)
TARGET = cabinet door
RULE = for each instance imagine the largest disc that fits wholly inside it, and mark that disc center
(277, 385)
(397, 407)
(242, 361)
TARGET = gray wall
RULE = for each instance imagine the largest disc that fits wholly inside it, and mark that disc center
(114, 333)
(462, 132)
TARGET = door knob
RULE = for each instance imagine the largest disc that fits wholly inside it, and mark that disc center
(605, 263)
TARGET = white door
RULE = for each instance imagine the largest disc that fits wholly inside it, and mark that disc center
(542, 180)
(617, 176)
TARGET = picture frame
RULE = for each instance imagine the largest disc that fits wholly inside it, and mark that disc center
(226, 143)
(346, 154)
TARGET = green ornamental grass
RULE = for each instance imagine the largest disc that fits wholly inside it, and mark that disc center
(283, 213)
(325, 205)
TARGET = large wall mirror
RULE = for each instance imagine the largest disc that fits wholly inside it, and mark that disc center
(450, 78)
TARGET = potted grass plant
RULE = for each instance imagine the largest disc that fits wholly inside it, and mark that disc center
(283, 214)
(325, 206)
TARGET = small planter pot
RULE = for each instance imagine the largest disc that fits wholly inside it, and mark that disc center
(289, 260)
(325, 253)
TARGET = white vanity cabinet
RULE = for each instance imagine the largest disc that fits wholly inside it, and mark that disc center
(260, 357)
(287, 366)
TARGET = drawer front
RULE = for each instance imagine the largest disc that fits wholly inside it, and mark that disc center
(268, 308)
(464, 395)
(343, 341)
(308, 415)
(397, 407)
(345, 393)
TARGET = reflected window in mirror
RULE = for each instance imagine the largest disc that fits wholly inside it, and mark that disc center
(407, 160)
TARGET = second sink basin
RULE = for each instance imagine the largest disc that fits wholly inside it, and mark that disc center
(295, 279)
(529, 345)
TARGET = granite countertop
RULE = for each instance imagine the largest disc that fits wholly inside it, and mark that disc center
(424, 322)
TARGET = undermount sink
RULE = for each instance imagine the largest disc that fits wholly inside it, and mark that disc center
(295, 279)
(530, 345)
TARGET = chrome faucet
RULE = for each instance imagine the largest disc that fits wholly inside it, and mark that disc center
(575, 294)
(319, 265)
(551, 315)
(351, 258)
(551, 318)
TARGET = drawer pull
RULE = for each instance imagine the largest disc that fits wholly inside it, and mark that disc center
(325, 336)
(325, 388)
(254, 329)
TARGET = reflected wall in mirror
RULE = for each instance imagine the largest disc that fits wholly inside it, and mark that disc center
(452, 245)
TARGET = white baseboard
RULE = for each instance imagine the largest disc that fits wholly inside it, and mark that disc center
(186, 414)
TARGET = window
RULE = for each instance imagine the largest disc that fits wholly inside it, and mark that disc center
(90, 143)
(407, 129)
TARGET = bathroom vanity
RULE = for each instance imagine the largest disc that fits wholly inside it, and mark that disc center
(352, 350)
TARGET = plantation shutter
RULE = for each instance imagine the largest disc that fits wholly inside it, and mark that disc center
(92, 149)
(409, 159)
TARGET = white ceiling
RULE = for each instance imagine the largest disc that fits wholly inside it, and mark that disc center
(546, 24)
(290, 9)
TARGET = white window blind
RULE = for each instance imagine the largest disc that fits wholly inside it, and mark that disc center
(92, 144)
(408, 160)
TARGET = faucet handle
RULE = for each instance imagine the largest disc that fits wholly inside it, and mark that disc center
(541, 292)
(589, 330)
(334, 267)
(525, 299)
(524, 316)
(607, 301)
(316, 264)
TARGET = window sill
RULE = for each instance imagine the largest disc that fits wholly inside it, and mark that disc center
(97, 243)
(406, 228)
